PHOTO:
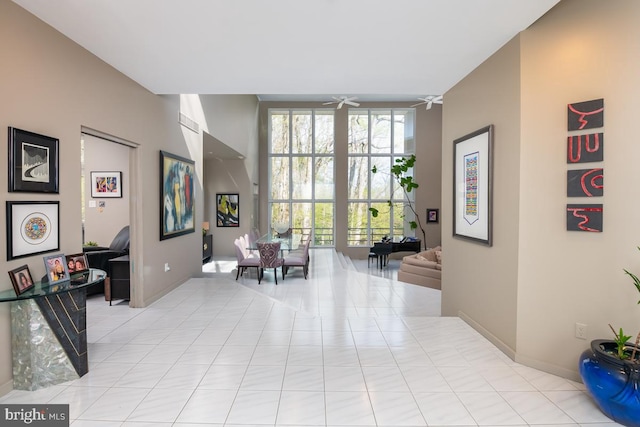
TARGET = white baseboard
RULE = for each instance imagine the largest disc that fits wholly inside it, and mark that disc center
(513, 354)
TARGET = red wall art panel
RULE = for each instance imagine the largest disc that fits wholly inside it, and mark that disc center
(586, 115)
(584, 218)
(585, 182)
(585, 148)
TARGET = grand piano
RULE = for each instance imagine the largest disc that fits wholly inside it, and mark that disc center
(382, 250)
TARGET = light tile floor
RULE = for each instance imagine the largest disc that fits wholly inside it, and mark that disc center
(340, 349)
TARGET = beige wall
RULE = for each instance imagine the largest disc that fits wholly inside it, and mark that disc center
(581, 50)
(228, 176)
(480, 282)
(427, 170)
(232, 120)
(538, 279)
(52, 86)
(101, 224)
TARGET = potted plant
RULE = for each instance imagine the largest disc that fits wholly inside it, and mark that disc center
(406, 182)
(610, 370)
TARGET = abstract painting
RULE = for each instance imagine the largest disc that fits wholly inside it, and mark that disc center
(585, 115)
(584, 218)
(585, 148)
(177, 196)
(585, 182)
(106, 184)
(228, 210)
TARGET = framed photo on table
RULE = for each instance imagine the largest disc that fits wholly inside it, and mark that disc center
(56, 268)
(177, 196)
(21, 279)
(106, 184)
(76, 263)
(33, 162)
(32, 228)
(472, 186)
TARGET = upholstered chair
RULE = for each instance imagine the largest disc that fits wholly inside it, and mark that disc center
(270, 258)
(243, 261)
(298, 258)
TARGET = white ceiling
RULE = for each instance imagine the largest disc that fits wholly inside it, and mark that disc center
(293, 49)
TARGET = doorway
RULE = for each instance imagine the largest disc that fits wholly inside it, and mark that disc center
(109, 174)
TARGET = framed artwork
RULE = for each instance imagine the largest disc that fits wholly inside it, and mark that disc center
(177, 196)
(584, 218)
(33, 162)
(32, 228)
(106, 184)
(21, 279)
(585, 115)
(472, 186)
(433, 215)
(76, 263)
(56, 268)
(585, 148)
(228, 210)
(585, 182)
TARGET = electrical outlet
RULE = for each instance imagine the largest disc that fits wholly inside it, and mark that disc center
(581, 331)
(166, 267)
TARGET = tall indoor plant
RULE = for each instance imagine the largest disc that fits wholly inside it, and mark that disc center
(399, 173)
(610, 370)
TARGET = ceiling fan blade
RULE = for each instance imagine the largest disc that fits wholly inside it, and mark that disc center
(353, 104)
(328, 103)
(419, 103)
(340, 104)
(429, 104)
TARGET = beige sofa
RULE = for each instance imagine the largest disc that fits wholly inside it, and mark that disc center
(424, 268)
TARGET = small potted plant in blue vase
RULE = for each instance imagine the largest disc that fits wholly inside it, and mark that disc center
(610, 370)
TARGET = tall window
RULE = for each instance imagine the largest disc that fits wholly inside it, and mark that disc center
(301, 170)
(378, 137)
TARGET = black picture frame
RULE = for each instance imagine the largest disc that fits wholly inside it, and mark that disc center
(433, 215)
(32, 228)
(177, 196)
(473, 186)
(227, 210)
(33, 162)
(21, 279)
(106, 184)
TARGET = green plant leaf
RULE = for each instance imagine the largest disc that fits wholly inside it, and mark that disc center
(374, 212)
(374, 169)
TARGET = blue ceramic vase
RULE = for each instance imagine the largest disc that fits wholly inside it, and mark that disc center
(614, 384)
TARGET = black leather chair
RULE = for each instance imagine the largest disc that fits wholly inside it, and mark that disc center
(99, 256)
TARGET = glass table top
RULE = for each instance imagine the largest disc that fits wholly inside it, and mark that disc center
(77, 281)
(289, 243)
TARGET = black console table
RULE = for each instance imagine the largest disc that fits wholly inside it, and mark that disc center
(207, 248)
(49, 331)
(118, 286)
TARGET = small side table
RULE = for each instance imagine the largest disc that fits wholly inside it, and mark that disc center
(119, 279)
(207, 248)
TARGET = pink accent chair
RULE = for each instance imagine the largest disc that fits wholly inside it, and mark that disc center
(245, 261)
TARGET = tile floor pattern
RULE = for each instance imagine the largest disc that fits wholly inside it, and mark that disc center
(340, 349)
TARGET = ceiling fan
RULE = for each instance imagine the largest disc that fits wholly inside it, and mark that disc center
(429, 100)
(343, 100)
